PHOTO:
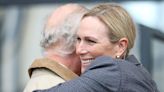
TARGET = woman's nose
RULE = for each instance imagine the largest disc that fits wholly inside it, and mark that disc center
(81, 49)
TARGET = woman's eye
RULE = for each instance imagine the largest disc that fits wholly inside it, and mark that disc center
(90, 41)
(78, 39)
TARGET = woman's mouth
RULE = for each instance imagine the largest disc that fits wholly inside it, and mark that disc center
(86, 62)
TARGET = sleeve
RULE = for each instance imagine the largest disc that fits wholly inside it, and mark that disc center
(103, 75)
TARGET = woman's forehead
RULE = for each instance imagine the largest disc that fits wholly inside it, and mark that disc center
(93, 25)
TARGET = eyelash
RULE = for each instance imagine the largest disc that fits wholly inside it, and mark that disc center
(90, 41)
(87, 40)
(78, 39)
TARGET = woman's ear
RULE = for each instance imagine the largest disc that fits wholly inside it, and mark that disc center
(122, 47)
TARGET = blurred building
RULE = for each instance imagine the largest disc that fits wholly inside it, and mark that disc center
(21, 23)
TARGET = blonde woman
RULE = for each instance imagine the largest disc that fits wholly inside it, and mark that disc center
(105, 36)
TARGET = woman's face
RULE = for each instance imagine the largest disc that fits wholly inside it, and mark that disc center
(93, 41)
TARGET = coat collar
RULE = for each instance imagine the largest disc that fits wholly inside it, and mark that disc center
(54, 66)
(133, 59)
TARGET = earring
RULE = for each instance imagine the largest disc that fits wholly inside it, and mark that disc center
(117, 57)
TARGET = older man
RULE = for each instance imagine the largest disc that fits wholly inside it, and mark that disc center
(60, 62)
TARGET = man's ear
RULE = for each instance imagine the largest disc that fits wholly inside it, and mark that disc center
(122, 47)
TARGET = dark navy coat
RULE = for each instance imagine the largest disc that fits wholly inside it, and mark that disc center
(110, 75)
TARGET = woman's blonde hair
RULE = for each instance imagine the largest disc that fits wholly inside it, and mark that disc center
(117, 20)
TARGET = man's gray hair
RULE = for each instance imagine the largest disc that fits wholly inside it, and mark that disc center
(63, 36)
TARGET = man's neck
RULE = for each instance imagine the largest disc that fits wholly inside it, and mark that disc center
(63, 60)
(71, 61)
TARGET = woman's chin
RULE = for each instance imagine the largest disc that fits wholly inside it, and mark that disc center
(84, 66)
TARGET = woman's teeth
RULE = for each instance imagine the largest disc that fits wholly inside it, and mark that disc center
(86, 61)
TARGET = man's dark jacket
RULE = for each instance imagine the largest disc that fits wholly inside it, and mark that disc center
(110, 75)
